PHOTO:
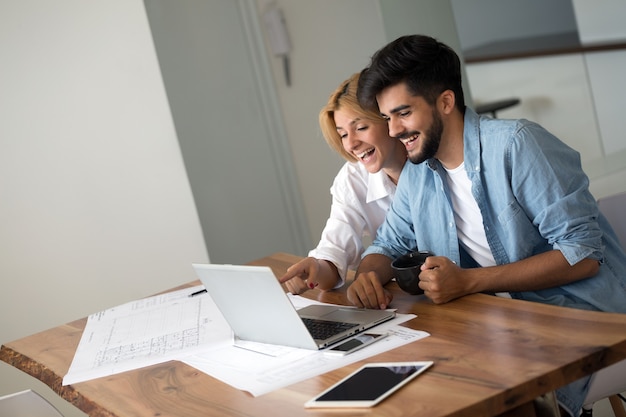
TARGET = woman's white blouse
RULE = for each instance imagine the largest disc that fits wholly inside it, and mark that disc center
(360, 201)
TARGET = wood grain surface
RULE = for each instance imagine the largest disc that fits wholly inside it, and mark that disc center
(492, 356)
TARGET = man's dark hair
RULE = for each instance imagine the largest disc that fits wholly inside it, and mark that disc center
(427, 66)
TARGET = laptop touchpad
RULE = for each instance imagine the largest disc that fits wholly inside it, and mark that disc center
(350, 315)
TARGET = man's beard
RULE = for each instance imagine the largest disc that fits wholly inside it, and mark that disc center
(431, 141)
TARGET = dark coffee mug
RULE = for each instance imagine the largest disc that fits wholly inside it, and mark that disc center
(406, 270)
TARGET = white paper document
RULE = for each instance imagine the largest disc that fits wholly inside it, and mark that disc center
(146, 332)
(258, 368)
(177, 326)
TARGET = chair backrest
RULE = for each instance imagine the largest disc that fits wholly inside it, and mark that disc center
(27, 404)
(614, 209)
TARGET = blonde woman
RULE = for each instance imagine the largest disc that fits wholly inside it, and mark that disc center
(361, 192)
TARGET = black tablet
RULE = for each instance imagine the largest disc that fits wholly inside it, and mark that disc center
(369, 385)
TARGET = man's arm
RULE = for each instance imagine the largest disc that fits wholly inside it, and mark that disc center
(443, 281)
(366, 291)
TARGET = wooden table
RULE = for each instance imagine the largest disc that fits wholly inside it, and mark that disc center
(492, 357)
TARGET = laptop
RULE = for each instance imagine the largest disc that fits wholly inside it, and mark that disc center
(257, 309)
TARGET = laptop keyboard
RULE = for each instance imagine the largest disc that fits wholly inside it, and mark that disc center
(323, 329)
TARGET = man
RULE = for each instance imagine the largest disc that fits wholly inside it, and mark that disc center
(504, 204)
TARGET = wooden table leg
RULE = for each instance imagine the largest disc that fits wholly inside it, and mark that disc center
(617, 405)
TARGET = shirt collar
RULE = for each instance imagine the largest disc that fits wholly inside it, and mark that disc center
(471, 140)
(379, 185)
(471, 143)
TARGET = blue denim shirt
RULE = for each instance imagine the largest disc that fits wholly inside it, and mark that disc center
(533, 196)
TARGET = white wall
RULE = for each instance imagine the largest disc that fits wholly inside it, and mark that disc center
(95, 206)
(330, 40)
(225, 109)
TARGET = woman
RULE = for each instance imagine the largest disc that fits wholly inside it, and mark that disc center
(361, 192)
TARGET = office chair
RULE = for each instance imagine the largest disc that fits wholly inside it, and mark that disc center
(616, 402)
(612, 208)
(27, 404)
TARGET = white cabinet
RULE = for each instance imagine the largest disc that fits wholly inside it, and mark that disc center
(553, 90)
(579, 97)
(576, 90)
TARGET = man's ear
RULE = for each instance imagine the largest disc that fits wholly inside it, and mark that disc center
(446, 102)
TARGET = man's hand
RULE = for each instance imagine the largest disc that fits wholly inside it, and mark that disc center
(367, 292)
(441, 279)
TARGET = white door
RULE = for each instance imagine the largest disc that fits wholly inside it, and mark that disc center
(235, 152)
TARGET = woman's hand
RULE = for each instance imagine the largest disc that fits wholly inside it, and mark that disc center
(301, 276)
(310, 273)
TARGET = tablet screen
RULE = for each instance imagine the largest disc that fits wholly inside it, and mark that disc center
(369, 385)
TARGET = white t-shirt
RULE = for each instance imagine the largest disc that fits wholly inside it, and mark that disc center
(468, 219)
(360, 201)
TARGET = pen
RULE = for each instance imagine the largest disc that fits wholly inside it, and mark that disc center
(193, 294)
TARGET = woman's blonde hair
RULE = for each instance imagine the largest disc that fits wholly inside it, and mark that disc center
(343, 98)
